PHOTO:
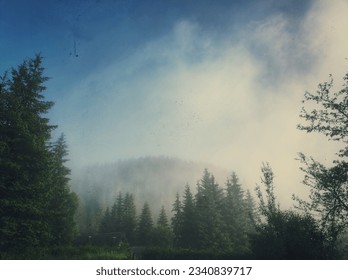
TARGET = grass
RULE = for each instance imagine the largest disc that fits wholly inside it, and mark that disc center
(85, 252)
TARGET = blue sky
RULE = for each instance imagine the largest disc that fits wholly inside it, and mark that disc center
(212, 81)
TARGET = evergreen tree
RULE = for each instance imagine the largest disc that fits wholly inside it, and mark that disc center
(145, 226)
(62, 203)
(24, 158)
(36, 205)
(176, 220)
(209, 200)
(90, 214)
(129, 217)
(117, 214)
(121, 218)
(162, 235)
(105, 223)
(162, 218)
(252, 216)
(189, 230)
(235, 214)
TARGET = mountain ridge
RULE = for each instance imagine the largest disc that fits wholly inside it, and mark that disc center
(155, 179)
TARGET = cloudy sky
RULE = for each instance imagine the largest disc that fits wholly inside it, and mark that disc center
(213, 81)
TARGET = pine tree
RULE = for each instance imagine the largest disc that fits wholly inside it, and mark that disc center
(117, 214)
(105, 223)
(209, 200)
(162, 218)
(24, 158)
(176, 220)
(235, 215)
(37, 207)
(62, 203)
(90, 214)
(162, 235)
(252, 216)
(129, 217)
(145, 226)
(189, 230)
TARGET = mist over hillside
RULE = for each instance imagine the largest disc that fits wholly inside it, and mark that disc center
(152, 179)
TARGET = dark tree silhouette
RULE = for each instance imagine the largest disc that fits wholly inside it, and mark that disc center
(328, 185)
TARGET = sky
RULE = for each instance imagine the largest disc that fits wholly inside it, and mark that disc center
(211, 81)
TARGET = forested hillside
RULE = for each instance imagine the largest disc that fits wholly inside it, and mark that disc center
(152, 179)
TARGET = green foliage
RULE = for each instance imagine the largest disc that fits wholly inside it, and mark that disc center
(238, 213)
(176, 220)
(144, 227)
(162, 234)
(162, 218)
(289, 236)
(330, 115)
(116, 214)
(214, 220)
(89, 215)
(69, 252)
(121, 218)
(170, 253)
(24, 158)
(328, 196)
(269, 206)
(328, 185)
(129, 218)
(188, 230)
(209, 201)
(62, 203)
(36, 205)
(284, 234)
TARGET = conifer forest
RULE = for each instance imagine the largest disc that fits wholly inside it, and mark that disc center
(44, 216)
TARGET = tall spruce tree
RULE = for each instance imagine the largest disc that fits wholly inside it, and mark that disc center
(25, 158)
(117, 214)
(209, 200)
(145, 226)
(31, 172)
(162, 234)
(121, 218)
(162, 218)
(62, 203)
(106, 220)
(251, 212)
(129, 219)
(176, 220)
(189, 229)
(235, 214)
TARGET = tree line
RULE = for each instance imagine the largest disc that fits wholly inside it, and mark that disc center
(221, 222)
(213, 218)
(37, 207)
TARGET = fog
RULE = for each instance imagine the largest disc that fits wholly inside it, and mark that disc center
(155, 180)
(232, 100)
(219, 83)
